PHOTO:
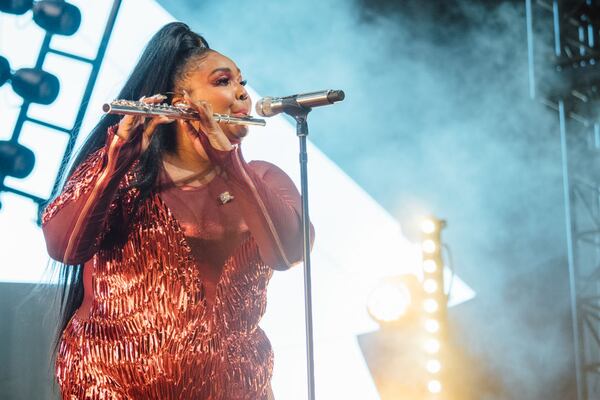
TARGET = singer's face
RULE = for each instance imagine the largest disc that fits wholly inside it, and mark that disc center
(217, 80)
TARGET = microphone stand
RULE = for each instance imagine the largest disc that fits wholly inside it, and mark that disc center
(300, 114)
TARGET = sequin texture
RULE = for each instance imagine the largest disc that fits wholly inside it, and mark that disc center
(150, 333)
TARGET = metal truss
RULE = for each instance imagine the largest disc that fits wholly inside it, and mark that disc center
(565, 36)
(73, 131)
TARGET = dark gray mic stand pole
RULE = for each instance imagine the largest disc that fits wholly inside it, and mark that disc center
(300, 113)
(292, 107)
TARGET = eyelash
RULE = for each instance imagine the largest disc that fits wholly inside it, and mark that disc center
(226, 81)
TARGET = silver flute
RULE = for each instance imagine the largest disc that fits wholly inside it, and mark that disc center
(131, 107)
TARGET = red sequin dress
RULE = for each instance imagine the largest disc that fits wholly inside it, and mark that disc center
(175, 290)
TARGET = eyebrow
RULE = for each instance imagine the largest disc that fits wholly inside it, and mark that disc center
(224, 69)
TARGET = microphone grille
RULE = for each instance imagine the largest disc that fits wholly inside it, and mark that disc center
(335, 95)
(263, 107)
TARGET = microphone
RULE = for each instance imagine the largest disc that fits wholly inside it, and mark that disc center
(269, 106)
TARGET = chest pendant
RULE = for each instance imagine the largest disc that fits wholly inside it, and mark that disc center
(225, 198)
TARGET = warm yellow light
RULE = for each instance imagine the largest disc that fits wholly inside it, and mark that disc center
(432, 346)
(432, 326)
(430, 285)
(430, 305)
(428, 226)
(429, 246)
(434, 386)
(389, 301)
(429, 266)
(433, 366)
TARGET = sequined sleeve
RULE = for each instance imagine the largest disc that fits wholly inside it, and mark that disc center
(75, 221)
(270, 204)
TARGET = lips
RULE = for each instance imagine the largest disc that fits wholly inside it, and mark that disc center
(241, 113)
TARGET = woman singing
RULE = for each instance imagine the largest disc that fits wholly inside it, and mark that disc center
(167, 240)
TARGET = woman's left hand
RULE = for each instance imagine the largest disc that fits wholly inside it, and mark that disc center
(216, 137)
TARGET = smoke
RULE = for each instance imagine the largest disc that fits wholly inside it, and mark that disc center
(437, 117)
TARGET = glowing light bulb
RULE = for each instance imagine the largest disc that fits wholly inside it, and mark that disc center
(432, 326)
(434, 386)
(430, 285)
(433, 366)
(430, 305)
(429, 266)
(389, 302)
(428, 226)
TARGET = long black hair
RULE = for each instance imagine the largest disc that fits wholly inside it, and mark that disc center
(159, 70)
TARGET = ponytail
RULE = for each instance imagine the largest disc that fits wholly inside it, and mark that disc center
(160, 67)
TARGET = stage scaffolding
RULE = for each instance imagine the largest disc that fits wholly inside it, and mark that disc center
(72, 131)
(564, 71)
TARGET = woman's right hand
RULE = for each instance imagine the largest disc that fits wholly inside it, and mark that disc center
(130, 123)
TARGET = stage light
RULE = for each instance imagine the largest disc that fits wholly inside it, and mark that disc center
(435, 305)
(35, 85)
(428, 226)
(430, 305)
(430, 285)
(429, 266)
(413, 322)
(15, 160)
(389, 301)
(433, 366)
(16, 7)
(4, 70)
(434, 386)
(429, 246)
(432, 326)
(57, 16)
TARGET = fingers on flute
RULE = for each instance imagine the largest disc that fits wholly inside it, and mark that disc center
(161, 120)
(188, 127)
(200, 105)
(150, 129)
(157, 98)
(130, 121)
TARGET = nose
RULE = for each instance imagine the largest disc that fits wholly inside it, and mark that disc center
(242, 93)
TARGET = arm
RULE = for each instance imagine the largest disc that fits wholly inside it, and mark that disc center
(74, 222)
(271, 206)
